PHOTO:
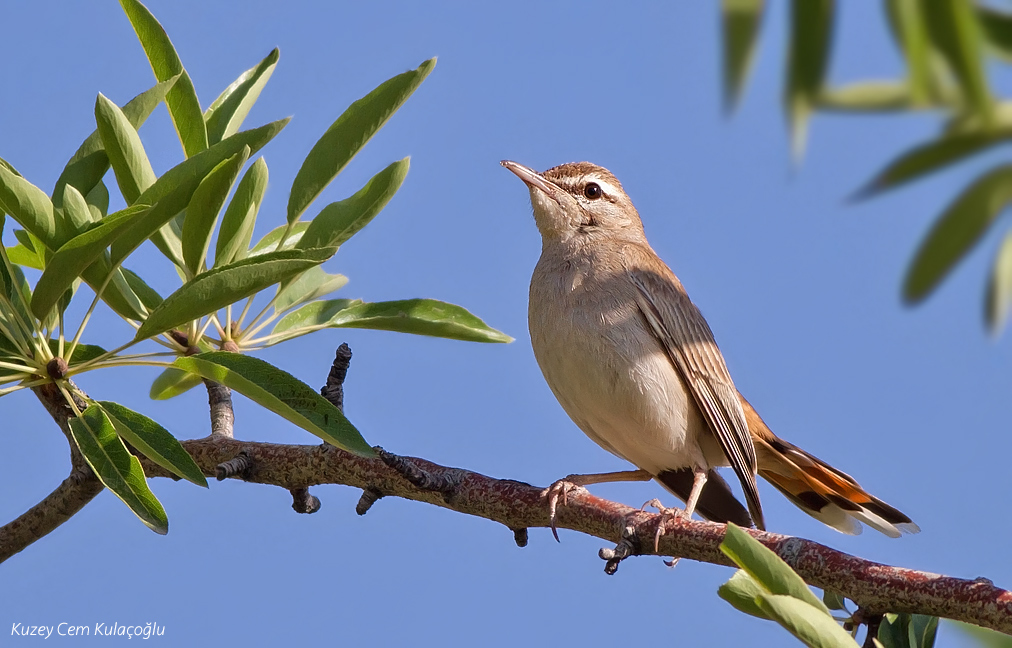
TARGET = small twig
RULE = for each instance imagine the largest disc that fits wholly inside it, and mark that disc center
(629, 545)
(369, 497)
(445, 481)
(219, 399)
(863, 616)
(303, 501)
(238, 466)
(334, 389)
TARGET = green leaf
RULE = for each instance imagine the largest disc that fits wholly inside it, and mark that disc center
(281, 393)
(22, 256)
(123, 146)
(741, 20)
(26, 239)
(226, 114)
(999, 288)
(145, 293)
(121, 301)
(311, 317)
(417, 316)
(346, 136)
(922, 630)
(184, 107)
(894, 631)
(28, 205)
(69, 262)
(17, 291)
(834, 601)
(119, 470)
(870, 96)
(908, 25)
(217, 288)
(117, 294)
(82, 354)
(339, 221)
(311, 284)
(766, 567)
(931, 157)
(809, 624)
(741, 592)
(997, 26)
(957, 231)
(154, 442)
(171, 383)
(75, 208)
(985, 638)
(87, 166)
(956, 34)
(807, 59)
(98, 201)
(173, 190)
(28, 252)
(269, 243)
(206, 203)
(10, 167)
(241, 215)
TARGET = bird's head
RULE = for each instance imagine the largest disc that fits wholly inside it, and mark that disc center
(578, 199)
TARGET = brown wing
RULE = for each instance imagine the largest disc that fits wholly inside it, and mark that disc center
(687, 338)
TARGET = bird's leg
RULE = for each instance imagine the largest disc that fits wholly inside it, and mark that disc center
(699, 480)
(564, 486)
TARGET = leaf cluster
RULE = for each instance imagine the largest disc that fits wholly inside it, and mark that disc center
(948, 48)
(766, 587)
(200, 215)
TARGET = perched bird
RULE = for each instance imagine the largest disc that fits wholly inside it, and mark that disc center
(634, 364)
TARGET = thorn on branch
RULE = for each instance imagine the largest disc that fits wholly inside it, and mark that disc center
(520, 537)
(369, 497)
(304, 502)
(238, 466)
(334, 389)
(445, 482)
(629, 545)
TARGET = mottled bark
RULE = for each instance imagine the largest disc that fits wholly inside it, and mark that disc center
(518, 506)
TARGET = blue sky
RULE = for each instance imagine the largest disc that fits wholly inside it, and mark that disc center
(800, 288)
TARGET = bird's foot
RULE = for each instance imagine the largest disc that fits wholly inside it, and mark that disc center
(559, 490)
(667, 515)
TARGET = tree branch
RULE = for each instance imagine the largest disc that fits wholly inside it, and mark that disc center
(874, 587)
(79, 488)
(59, 506)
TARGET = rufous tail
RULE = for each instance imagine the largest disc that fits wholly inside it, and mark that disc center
(825, 493)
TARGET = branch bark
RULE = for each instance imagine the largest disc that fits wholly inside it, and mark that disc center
(876, 588)
(79, 488)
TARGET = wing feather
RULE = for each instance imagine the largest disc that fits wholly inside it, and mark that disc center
(689, 342)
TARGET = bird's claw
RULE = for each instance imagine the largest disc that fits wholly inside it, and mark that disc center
(667, 514)
(560, 489)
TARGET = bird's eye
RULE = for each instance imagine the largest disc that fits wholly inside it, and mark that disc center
(592, 191)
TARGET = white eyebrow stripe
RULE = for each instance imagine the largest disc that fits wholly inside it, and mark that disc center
(606, 186)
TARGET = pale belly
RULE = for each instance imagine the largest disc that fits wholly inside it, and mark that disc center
(617, 384)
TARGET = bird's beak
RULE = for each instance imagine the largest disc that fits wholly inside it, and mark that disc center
(534, 180)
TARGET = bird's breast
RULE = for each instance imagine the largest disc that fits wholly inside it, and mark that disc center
(606, 368)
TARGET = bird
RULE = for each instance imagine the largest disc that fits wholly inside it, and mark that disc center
(636, 367)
